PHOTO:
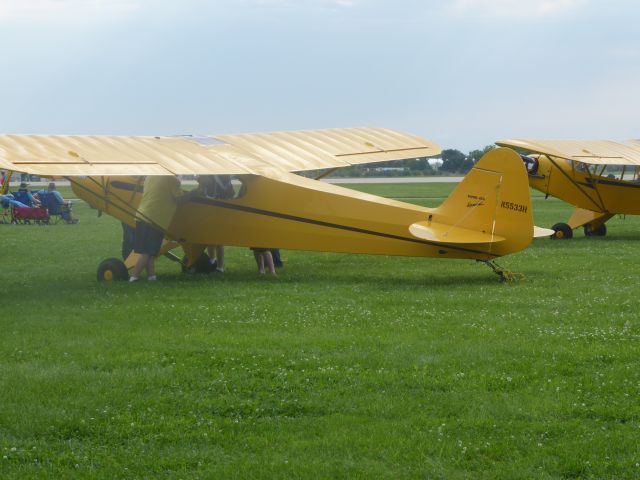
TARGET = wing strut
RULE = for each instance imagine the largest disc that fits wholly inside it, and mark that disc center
(328, 172)
(574, 182)
(4, 188)
(595, 187)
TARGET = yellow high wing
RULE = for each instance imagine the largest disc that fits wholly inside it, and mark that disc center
(598, 177)
(60, 156)
(487, 216)
(592, 152)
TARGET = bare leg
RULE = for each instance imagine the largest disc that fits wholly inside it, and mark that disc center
(259, 260)
(220, 257)
(269, 261)
(141, 264)
(151, 267)
(211, 252)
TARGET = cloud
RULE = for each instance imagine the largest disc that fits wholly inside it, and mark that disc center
(515, 8)
(63, 10)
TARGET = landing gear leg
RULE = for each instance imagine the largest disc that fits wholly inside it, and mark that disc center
(504, 274)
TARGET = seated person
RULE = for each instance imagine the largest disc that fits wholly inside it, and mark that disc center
(9, 200)
(23, 195)
(52, 200)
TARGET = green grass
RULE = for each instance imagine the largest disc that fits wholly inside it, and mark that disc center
(343, 366)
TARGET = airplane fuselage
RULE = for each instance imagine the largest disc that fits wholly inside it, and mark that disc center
(305, 215)
(582, 186)
(484, 218)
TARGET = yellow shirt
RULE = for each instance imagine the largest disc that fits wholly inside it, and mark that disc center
(158, 204)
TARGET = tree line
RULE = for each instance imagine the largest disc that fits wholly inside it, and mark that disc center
(451, 162)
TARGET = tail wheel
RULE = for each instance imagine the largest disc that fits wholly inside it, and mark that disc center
(562, 232)
(112, 270)
(589, 231)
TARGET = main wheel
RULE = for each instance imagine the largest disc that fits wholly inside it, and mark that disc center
(601, 231)
(111, 270)
(562, 232)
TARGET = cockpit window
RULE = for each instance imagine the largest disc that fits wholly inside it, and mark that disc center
(581, 167)
(223, 187)
(531, 163)
(616, 172)
(239, 187)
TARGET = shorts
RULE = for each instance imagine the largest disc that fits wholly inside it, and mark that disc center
(148, 239)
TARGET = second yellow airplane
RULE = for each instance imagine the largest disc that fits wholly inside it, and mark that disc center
(599, 177)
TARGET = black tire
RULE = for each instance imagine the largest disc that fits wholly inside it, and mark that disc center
(601, 231)
(202, 265)
(562, 232)
(112, 270)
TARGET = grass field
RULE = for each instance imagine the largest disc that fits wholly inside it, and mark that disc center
(343, 366)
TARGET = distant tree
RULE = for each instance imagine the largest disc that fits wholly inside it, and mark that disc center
(476, 155)
(418, 165)
(453, 161)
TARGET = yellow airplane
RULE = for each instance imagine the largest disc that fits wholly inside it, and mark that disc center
(600, 178)
(487, 216)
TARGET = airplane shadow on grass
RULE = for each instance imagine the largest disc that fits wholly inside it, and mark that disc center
(341, 278)
(83, 292)
(321, 276)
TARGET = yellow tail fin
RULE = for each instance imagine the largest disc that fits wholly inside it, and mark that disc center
(493, 199)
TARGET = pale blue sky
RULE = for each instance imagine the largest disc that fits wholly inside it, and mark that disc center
(462, 73)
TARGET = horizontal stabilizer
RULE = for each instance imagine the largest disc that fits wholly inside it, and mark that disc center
(439, 232)
(539, 232)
